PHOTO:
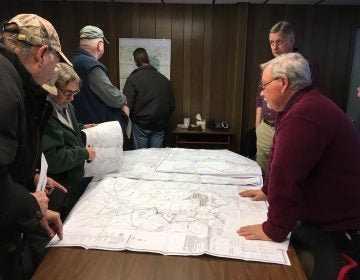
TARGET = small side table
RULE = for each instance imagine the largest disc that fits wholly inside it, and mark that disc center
(184, 137)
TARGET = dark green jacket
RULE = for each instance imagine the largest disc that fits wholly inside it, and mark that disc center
(64, 150)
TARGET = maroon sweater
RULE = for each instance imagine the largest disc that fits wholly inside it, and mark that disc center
(314, 168)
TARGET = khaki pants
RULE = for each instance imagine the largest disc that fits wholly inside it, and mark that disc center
(264, 140)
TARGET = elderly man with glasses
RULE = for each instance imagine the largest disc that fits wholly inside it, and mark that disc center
(62, 143)
(64, 151)
(313, 178)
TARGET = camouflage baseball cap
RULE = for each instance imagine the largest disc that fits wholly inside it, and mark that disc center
(36, 31)
(92, 32)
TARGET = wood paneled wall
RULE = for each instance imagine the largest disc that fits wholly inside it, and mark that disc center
(216, 49)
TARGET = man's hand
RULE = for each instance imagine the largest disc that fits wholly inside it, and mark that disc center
(126, 110)
(42, 200)
(51, 224)
(256, 195)
(253, 232)
(91, 152)
(51, 184)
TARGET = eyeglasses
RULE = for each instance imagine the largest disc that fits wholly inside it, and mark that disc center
(276, 43)
(68, 93)
(262, 86)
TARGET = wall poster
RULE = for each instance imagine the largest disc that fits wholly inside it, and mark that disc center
(159, 51)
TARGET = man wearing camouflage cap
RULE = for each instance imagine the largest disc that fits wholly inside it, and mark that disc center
(29, 51)
(99, 101)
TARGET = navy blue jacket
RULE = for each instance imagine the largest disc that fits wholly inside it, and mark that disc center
(89, 107)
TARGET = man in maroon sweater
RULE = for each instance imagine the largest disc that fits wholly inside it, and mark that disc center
(314, 169)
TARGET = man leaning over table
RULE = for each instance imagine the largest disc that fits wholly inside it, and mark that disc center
(312, 184)
(29, 51)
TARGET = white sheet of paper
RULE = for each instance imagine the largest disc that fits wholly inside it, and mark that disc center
(107, 140)
(43, 171)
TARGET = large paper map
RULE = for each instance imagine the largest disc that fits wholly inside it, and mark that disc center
(169, 217)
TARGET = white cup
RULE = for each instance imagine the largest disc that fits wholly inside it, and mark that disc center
(186, 122)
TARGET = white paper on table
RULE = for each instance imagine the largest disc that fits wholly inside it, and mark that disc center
(209, 162)
(170, 218)
(107, 140)
(43, 171)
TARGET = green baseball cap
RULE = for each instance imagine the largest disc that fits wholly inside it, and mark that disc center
(92, 32)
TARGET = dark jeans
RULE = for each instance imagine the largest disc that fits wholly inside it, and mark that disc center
(325, 248)
(145, 138)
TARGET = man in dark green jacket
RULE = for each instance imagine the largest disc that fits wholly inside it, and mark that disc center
(62, 144)
(64, 151)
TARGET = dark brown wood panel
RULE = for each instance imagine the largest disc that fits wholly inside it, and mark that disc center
(135, 20)
(187, 61)
(147, 20)
(197, 60)
(163, 22)
(231, 69)
(207, 62)
(241, 41)
(220, 41)
(177, 62)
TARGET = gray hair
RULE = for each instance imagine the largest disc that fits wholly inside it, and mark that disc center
(67, 75)
(283, 26)
(20, 48)
(292, 65)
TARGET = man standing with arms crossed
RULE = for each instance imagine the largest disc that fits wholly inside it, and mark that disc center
(29, 51)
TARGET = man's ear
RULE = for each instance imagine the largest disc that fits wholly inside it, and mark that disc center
(40, 54)
(285, 83)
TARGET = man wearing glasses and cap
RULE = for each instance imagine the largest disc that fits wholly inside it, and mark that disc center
(99, 101)
(29, 51)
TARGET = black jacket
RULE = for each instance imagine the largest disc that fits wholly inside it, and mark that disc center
(24, 112)
(150, 98)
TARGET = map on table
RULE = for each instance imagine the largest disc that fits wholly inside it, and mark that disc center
(168, 217)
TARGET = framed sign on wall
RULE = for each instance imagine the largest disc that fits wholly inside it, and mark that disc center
(159, 51)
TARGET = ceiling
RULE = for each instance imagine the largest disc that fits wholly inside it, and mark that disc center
(269, 2)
